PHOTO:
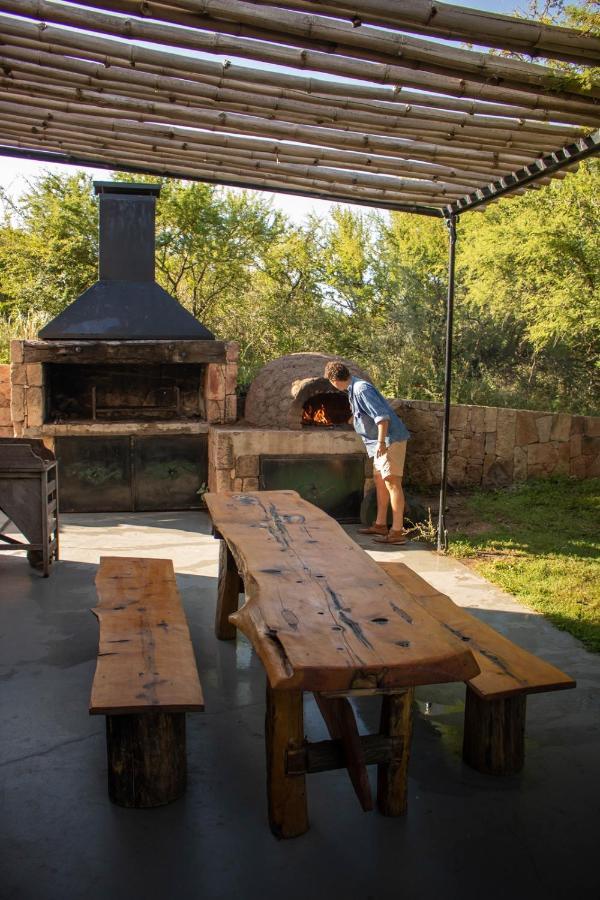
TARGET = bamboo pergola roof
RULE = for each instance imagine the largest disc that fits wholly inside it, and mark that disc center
(334, 100)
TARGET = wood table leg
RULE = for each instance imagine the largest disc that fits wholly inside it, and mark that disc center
(286, 794)
(392, 776)
(147, 763)
(228, 592)
(341, 724)
(494, 734)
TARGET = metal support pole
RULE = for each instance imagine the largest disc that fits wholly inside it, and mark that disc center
(442, 541)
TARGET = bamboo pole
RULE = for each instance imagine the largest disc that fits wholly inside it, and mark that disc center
(276, 150)
(278, 55)
(240, 163)
(385, 118)
(456, 23)
(233, 122)
(52, 80)
(154, 163)
(110, 52)
(247, 20)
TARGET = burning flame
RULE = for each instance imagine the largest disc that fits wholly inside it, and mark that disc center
(315, 416)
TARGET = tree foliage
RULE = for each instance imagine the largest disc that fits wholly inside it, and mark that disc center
(366, 286)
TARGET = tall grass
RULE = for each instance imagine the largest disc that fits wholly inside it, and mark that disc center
(20, 326)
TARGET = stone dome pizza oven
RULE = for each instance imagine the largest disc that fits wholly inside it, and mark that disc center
(291, 392)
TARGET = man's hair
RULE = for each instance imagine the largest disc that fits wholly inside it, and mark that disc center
(337, 371)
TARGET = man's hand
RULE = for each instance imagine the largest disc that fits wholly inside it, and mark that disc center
(381, 448)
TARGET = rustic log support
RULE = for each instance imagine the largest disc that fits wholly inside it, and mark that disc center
(228, 591)
(325, 756)
(341, 724)
(146, 758)
(392, 776)
(286, 793)
(494, 734)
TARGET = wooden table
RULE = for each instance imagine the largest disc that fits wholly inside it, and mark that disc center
(323, 617)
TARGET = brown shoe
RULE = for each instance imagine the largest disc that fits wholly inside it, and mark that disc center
(374, 529)
(392, 537)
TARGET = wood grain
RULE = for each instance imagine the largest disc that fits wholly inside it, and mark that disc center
(145, 656)
(319, 611)
(286, 792)
(506, 669)
(341, 724)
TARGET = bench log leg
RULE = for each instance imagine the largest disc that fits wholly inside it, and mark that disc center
(228, 594)
(146, 758)
(392, 776)
(286, 794)
(494, 735)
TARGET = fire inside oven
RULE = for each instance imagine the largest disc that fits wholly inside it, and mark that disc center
(327, 410)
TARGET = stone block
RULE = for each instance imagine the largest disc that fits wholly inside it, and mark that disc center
(247, 466)
(477, 419)
(457, 467)
(477, 451)
(5, 393)
(231, 374)
(541, 460)
(491, 418)
(578, 467)
(250, 484)
(215, 382)
(221, 480)
(525, 428)
(17, 403)
(232, 351)
(18, 429)
(499, 473)
(35, 406)
(18, 373)
(490, 444)
(520, 464)
(5, 417)
(563, 459)
(544, 427)
(505, 433)
(16, 351)
(474, 473)
(592, 469)
(561, 427)
(591, 426)
(222, 452)
(215, 411)
(238, 484)
(578, 424)
(6, 431)
(575, 445)
(35, 374)
(459, 417)
(231, 408)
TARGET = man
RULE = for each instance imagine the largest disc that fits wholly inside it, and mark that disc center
(385, 437)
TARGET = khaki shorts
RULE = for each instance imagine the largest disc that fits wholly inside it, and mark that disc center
(392, 461)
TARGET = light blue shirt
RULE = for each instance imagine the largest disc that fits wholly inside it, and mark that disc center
(368, 409)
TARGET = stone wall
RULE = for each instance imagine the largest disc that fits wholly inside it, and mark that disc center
(6, 427)
(494, 447)
(233, 453)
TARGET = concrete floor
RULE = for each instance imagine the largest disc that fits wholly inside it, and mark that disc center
(466, 835)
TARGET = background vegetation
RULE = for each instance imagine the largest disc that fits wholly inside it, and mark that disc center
(368, 286)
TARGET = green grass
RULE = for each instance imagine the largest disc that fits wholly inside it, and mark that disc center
(543, 546)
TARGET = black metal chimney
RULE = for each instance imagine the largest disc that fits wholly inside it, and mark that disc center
(125, 303)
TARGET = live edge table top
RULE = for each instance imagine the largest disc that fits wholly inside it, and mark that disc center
(321, 614)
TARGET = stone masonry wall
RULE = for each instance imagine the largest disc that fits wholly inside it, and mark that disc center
(6, 426)
(233, 453)
(495, 447)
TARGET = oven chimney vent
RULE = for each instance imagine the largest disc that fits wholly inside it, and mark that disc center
(125, 303)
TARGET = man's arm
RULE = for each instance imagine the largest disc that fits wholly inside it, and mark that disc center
(382, 430)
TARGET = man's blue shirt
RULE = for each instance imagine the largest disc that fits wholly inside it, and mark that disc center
(368, 409)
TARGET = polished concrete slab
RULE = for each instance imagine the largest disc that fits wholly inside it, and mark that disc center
(465, 835)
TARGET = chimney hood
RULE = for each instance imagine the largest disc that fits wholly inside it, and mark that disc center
(126, 303)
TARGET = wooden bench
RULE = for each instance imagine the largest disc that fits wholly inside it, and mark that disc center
(494, 726)
(146, 680)
(324, 618)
